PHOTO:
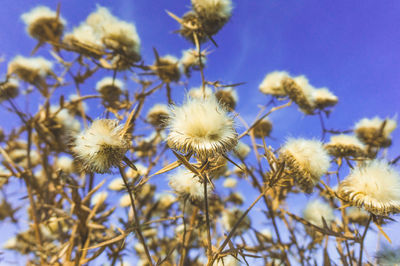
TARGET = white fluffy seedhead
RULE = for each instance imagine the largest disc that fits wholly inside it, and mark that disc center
(114, 33)
(186, 184)
(167, 68)
(190, 60)
(201, 126)
(197, 93)
(324, 98)
(117, 184)
(85, 40)
(375, 132)
(317, 209)
(99, 198)
(242, 150)
(157, 115)
(345, 145)
(227, 97)
(43, 23)
(9, 90)
(307, 161)
(273, 83)
(374, 186)
(230, 182)
(30, 69)
(65, 163)
(101, 146)
(213, 8)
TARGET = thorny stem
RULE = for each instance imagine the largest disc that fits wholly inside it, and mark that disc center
(362, 240)
(238, 222)
(209, 249)
(136, 218)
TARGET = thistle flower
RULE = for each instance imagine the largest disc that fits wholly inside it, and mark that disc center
(230, 182)
(300, 91)
(167, 68)
(201, 126)
(85, 40)
(374, 187)
(228, 260)
(165, 200)
(157, 115)
(306, 161)
(30, 69)
(44, 24)
(324, 98)
(190, 60)
(197, 93)
(117, 35)
(236, 198)
(141, 170)
(273, 83)
(110, 89)
(227, 97)
(375, 132)
(230, 217)
(9, 90)
(262, 129)
(357, 215)
(117, 184)
(125, 201)
(102, 146)
(242, 150)
(66, 164)
(345, 145)
(186, 184)
(213, 14)
(316, 210)
(266, 234)
(191, 26)
(99, 198)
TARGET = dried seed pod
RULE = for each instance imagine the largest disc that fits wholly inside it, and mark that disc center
(324, 98)
(306, 161)
(345, 145)
(44, 24)
(167, 69)
(300, 92)
(191, 60)
(374, 186)
(158, 115)
(102, 146)
(272, 84)
(9, 90)
(315, 212)
(262, 129)
(186, 184)
(201, 126)
(30, 69)
(375, 132)
(227, 97)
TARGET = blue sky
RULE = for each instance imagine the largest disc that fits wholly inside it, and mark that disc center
(350, 47)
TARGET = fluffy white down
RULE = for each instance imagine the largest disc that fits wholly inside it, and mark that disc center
(376, 123)
(84, 34)
(40, 12)
(113, 31)
(230, 182)
(309, 154)
(306, 87)
(272, 83)
(109, 81)
(202, 126)
(197, 93)
(158, 109)
(346, 140)
(101, 146)
(65, 164)
(190, 57)
(227, 261)
(38, 64)
(315, 210)
(185, 183)
(375, 186)
(99, 198)
(324, 94)
(219, 8)
(242, 149)
(117, 184)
